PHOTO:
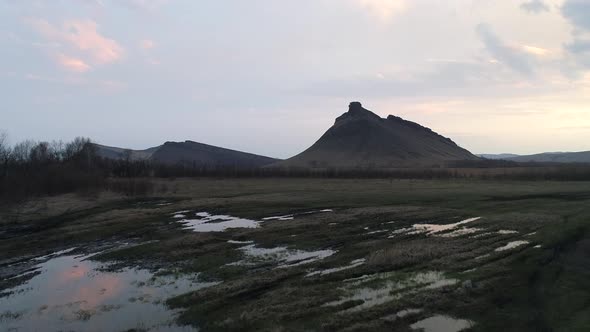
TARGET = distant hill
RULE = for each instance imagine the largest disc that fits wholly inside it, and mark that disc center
(112, 152)
(547, 157)
(361, 139)
(556, 157)
(203, 154)
(502, 156)
(188, 153)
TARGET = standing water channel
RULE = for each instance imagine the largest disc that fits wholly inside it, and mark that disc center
(73, 293)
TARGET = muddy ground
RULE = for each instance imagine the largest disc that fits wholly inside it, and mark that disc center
(326, 255)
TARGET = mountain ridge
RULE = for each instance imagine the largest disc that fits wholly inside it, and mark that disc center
(545, 157)
(188, 153)
(360, 138)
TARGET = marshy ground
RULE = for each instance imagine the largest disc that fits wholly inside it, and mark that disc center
(302, 254)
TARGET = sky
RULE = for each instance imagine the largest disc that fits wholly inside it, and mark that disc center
(270, 76)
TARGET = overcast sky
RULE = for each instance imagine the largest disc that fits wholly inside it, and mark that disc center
(270, 76)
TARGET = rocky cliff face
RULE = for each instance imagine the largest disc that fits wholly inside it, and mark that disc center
(360, 138)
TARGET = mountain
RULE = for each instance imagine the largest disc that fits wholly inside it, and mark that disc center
(111, 152)
(361, 139)
(502, 156)
(188, 153)
(555, 157)
(203, 154)
(546, 157)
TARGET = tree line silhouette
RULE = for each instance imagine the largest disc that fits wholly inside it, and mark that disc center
(32, 168)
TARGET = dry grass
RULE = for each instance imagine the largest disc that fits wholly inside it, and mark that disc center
(408, 253)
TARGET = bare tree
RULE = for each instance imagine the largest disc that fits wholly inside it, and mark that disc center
(5, 154)
(74, 147)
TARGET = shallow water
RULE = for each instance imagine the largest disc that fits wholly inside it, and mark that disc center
(445, 230)
(392, 289)
(292, 216)
(402, 314)
(72, 294)
(512, 245)
(283, 256)
(507, 232)
(206, 222)
(352, 265)
(441, 323)
(432, 229)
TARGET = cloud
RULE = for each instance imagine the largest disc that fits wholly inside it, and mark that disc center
(507, 55)
(143, 5)
(578, 13)
(534, 50)
(535, 6)
(478, 78)
(147, 44)
(80, 37)
(579, 46)
(72, 64)
(383, 9)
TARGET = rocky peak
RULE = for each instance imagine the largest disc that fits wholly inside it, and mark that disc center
(357, 111)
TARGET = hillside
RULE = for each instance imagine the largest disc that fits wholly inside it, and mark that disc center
(361, 139)
(188, 153)
(547, 157)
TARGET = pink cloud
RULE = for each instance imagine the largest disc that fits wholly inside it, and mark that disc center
(72, 64)
(84, 35)
(147, 44)
(80, 36)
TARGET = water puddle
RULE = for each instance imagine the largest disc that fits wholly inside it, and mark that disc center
(280, 218)
(282, 256)
(377, 231)
(461, 232)
(292, 216)
(352, 265)
(207, 222)
(440, 323)
(507, 232)
(239, 242)
(445, 230)
(389, 289)
(512, 245)
(402, 314)
(70, 293)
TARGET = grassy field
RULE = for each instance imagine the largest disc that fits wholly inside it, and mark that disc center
(376, 253)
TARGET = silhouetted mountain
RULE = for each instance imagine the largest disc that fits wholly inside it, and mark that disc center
(362, 139)
(188, 153)
(112, 152)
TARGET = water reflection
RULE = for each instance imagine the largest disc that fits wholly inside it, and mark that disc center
(512, 245)
(207, 222)
(444, 230)
(73, 294)
(363, 289)
(282, 256)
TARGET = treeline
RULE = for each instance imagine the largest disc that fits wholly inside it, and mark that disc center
(42, 168)
(47, 168)
(32, 168)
